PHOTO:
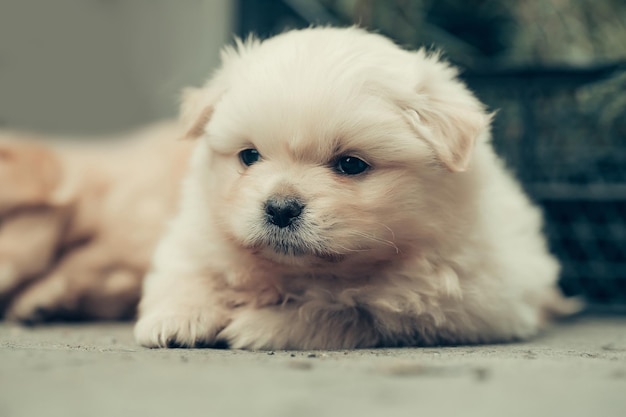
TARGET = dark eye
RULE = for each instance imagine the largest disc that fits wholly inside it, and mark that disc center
(249, 156)
(349, 165)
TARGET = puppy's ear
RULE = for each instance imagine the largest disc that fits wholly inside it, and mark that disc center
(198, 103)
(195, 112)
(445, 113)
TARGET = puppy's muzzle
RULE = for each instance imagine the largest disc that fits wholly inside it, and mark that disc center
(283, 211)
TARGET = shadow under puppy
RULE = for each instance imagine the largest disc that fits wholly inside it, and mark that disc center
(343, 193)
(79, 222)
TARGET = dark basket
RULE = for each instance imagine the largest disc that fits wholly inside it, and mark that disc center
(555, 130)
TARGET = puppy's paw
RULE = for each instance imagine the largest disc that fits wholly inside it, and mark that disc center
(247, 332)
(189, 329)
(45, 300)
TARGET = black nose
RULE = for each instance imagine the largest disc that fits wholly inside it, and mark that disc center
(282, 211)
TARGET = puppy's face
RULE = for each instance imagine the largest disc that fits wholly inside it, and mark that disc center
(319, 163)
(321, 186)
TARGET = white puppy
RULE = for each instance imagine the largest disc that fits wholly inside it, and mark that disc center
(343, 193)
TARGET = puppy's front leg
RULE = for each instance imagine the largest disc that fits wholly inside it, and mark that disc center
(179, 309)
(308, 326)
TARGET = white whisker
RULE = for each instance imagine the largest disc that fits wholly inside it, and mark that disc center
(376, 239)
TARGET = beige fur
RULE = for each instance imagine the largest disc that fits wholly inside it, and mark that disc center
(79, 222)
(434, 244)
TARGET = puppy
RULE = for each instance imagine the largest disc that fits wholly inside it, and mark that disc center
(79, 222)
(343, 193)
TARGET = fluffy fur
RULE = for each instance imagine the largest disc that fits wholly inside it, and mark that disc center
(434, 244)
(79, 223)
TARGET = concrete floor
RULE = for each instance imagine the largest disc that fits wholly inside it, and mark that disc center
(574, 369)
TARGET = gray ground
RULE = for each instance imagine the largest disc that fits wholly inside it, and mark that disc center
(575, 369)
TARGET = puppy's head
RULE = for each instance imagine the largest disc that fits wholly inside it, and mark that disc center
(329, 145)
(29, 174)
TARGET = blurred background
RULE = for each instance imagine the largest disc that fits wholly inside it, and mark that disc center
(555, 70)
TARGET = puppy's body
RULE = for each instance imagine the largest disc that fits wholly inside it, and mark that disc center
(433, 242)
(80, 221)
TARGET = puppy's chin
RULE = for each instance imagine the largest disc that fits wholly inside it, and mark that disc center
(292, 252)
(299, 259)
